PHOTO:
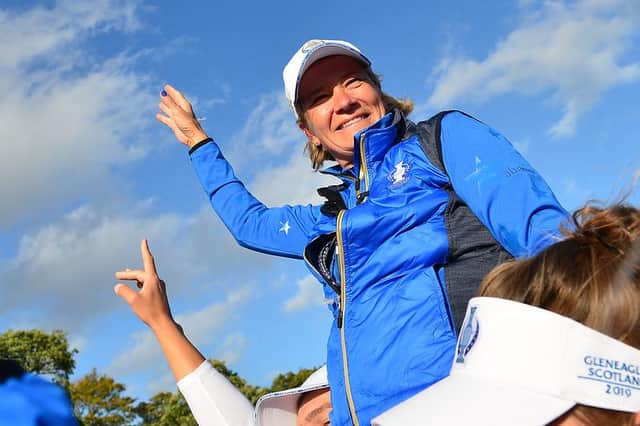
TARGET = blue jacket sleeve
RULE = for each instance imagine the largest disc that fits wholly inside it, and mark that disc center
(282, 231)
(509, 197)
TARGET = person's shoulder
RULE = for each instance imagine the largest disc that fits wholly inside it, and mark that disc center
(453, 122)
(449, 113)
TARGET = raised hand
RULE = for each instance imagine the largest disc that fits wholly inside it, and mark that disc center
(180, 117)
(150, 304)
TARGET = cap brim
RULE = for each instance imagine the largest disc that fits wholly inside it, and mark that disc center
(281, 408)
(331, 49)
(278, 410)
(324, 51)
(461, 400)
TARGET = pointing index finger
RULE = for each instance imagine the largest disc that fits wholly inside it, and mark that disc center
(147, 257)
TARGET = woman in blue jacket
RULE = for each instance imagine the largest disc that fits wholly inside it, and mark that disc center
(424, 210)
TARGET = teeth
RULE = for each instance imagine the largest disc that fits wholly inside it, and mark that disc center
(350, 122)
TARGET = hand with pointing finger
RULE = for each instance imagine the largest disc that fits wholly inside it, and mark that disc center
(178, 115)
(150, 304)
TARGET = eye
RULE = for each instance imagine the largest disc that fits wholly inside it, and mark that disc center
(316, 99)
(353, 81)
(319, 98)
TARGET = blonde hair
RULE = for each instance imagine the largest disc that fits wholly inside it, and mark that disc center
(592, 276)
(317, 154)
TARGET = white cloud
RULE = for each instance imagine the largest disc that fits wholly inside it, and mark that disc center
(78, 342)
(293, 182)
(65, 269)
(42, 31)
(572, 51)
(309, 294)
(200, 104)
(161, 383)
(68, 120)
(270, 147)
(232, 348)
(200, 326)
(66, 116)
(66, 266)
(269, 132)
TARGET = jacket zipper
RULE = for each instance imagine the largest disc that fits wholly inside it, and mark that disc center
(361, 196)
(341, 316)
(363, 175)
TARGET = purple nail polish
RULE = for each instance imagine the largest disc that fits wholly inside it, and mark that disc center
(163, 93)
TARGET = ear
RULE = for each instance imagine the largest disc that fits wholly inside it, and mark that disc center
(637, 419)
(309, 134)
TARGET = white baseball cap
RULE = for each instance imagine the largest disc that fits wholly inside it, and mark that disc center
(310, 52)
(281, 408)
(516, 364)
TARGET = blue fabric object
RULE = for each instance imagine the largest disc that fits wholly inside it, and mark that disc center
(31, 401)
(393, 332)
(509, 197)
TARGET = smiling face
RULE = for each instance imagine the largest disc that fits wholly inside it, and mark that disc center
(338, 99)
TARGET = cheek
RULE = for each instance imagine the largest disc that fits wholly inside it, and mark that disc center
(380, 104)
(372, 95)
(318, 118)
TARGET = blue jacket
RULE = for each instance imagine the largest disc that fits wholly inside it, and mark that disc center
(32, 401)
(402, 240)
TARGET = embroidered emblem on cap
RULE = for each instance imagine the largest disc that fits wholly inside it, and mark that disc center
(470, 330)
(310, 45)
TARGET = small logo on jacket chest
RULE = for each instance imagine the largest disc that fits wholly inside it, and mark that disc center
(399, 175)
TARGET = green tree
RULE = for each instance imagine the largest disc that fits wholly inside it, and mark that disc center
(166, 409)
(98, 400)
(290, 379)
(253, 393)
(40, 352)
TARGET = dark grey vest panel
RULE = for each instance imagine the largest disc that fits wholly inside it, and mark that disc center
(473, 251)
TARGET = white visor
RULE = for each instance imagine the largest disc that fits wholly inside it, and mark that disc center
(516, 364)
(311, 52)
(281, 408)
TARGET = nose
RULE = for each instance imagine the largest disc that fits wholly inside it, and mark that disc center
(344, 102)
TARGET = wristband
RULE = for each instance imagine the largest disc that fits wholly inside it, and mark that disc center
(199, 144)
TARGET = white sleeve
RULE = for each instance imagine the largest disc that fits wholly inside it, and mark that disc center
(213, 400)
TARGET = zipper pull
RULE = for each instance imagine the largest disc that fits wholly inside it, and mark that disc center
(339, 319)
(361, 196)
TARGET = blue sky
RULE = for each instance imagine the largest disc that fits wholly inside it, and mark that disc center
(87, 172)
